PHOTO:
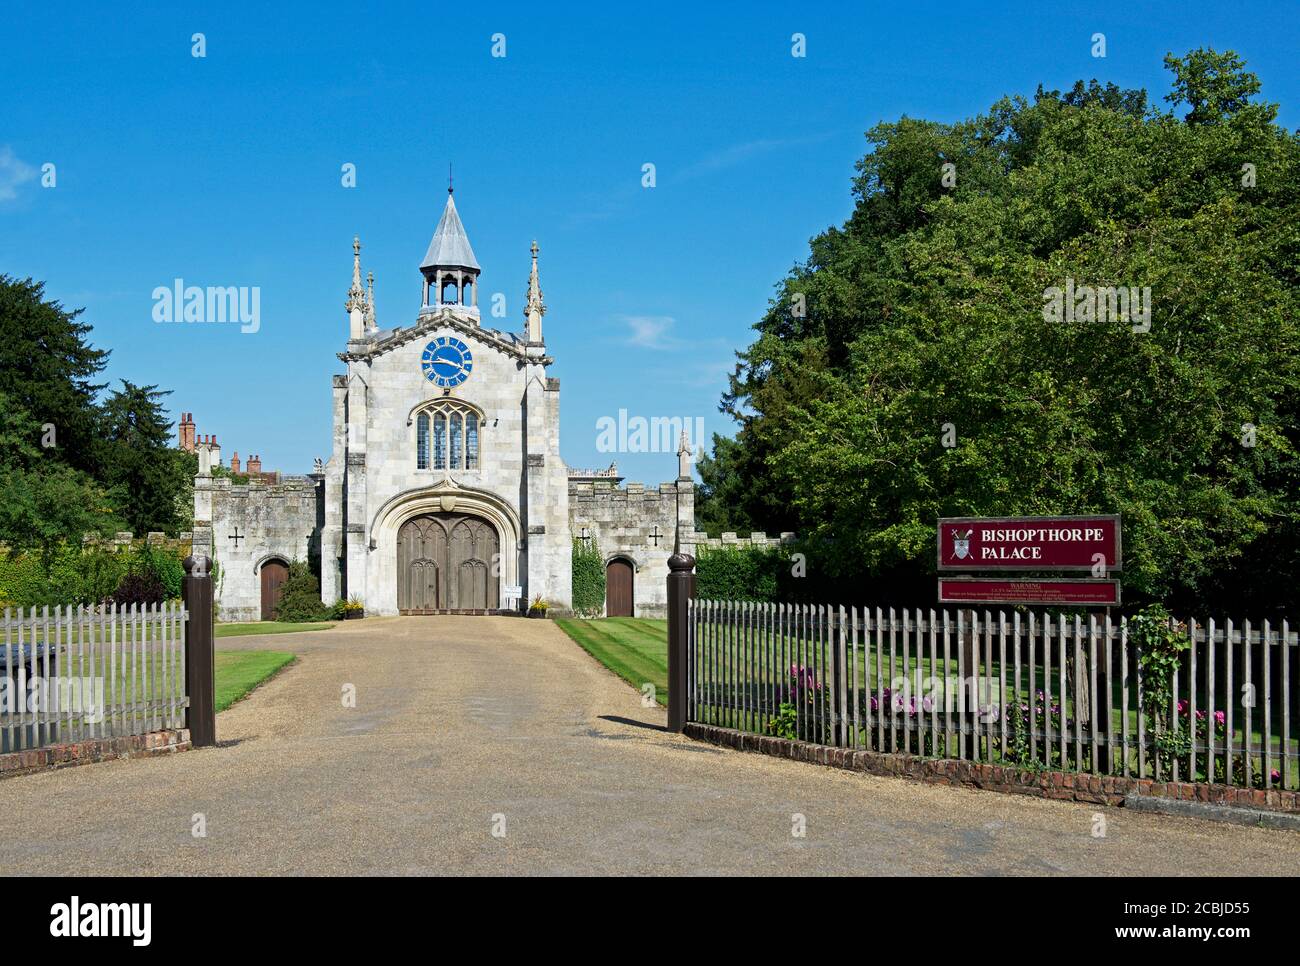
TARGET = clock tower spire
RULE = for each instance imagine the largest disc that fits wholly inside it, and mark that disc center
(449, 268)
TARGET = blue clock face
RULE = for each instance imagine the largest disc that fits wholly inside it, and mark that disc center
(446, 362)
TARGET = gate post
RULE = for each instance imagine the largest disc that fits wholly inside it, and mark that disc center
(681, 590)
(200, 652)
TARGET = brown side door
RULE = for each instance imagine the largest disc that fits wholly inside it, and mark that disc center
(274, 574)
(618, 589)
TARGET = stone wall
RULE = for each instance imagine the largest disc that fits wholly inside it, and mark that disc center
(124, 539)
(280, 521)
(638, 523)
(729, 539)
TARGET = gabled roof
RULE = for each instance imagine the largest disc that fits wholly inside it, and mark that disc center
(450, 246)
(378, 343)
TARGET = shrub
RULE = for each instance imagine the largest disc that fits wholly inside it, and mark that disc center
(300, 598)
(141, 589)
(166, 567)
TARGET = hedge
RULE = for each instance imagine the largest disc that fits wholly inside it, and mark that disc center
(745, 573)
(84, 575)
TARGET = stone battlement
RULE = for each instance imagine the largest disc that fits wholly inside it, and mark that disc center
(125, 538)
(728, 539)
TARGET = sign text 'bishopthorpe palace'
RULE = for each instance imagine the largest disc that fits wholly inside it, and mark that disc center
(1030, 543)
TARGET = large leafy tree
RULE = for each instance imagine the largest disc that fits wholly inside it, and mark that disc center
(48, 369)
(70, 465)
(139, 465)
(908, 369)
(43, 502)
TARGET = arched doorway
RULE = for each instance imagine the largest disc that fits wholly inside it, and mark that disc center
(273, 574)
(444, 563)
(618, 588)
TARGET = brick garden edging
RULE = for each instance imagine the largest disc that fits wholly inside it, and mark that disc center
(148, 745)
(1063, 785)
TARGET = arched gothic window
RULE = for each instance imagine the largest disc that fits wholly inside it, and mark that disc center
(422, 441)
(447, 436)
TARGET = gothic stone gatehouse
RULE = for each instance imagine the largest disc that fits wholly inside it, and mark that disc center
(445, 490)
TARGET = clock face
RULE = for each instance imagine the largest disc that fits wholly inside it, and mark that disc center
(446, 362)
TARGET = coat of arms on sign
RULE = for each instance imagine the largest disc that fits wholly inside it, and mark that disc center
(961, 544)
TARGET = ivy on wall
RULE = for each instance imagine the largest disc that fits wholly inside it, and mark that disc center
(588, 579)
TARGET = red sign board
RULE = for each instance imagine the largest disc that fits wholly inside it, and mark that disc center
(1029, 543)
(1012, 590)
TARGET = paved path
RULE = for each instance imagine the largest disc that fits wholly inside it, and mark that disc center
(462, 718)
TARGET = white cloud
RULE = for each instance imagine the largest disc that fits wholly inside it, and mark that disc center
(736, 154)
(651, 331)
(13, 172)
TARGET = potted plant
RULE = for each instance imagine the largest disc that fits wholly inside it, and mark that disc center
(538, 607)
(354, 608)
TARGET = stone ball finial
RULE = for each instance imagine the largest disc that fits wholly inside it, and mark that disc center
(680, 562)
(197, 565)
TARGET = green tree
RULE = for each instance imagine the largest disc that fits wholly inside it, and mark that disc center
(140, 467)
(48, 368)
(908, 369)
(1215, 87)
(41, 511)
(43, 501)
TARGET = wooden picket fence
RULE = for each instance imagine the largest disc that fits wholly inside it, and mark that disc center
(76, 673)
(1038, 690)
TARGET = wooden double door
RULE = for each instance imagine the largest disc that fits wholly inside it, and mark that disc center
(444, 562)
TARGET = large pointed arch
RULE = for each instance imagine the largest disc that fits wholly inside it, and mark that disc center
(445, 497)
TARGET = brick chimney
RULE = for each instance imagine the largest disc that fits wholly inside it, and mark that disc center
(254, 465)
(185, 432)
(234, 462)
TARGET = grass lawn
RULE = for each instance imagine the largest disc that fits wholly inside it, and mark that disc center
(238, 672)
(269, 627)
(634, 648)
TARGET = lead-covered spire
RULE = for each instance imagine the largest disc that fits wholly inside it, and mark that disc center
(449, 268)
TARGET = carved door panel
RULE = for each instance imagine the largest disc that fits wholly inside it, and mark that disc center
(421, 556)
(472, 549)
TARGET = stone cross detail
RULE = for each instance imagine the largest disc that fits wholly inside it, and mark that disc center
(655, 535)
(236, 536)
(585, 537)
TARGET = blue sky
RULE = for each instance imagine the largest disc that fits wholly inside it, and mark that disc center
(226, 170)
